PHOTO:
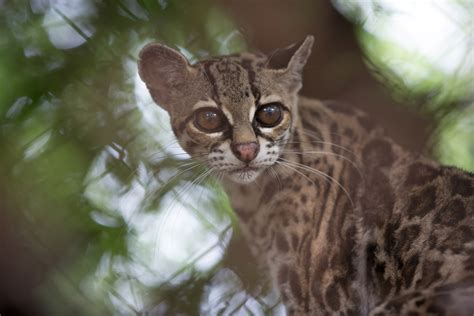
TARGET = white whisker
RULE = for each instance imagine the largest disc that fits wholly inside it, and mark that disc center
(274, 173)
(315, 171)
(326, 153)
(178, 195)
(283, 164)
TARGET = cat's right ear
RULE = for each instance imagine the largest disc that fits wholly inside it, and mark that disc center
(288, 62)
(165, 71)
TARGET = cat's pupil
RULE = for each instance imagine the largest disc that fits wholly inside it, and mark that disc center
(269, 115)
(209, 120)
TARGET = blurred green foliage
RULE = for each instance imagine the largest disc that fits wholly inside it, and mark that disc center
(446, 97)
(440, 82)
(75, 146)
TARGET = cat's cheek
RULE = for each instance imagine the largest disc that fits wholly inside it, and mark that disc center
(268, 154)
(195, 142)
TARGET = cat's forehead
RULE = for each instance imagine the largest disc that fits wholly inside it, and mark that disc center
(246, 60)
(234, 79)
(229, 78)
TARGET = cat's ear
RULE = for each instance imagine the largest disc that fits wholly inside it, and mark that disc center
(289, 62)
(165, 71)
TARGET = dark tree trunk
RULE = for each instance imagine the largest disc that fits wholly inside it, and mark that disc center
(20, 270)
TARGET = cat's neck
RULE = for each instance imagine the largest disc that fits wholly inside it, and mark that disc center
(306, 208)
(318, 154)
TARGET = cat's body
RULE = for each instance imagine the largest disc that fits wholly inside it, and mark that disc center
(347, 222)
(406, 238)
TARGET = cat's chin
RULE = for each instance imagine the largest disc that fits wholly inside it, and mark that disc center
(245, 175)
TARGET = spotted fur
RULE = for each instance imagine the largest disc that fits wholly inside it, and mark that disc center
(347, 221)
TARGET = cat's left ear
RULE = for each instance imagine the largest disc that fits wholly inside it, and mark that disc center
(288, 63)
(166, 72)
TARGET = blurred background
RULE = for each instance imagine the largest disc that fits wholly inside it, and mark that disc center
(100, 213)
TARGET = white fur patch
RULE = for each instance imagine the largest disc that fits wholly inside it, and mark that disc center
(228, 115)
(270, 99)
(204, 104)
(252, 113)
(212, 135)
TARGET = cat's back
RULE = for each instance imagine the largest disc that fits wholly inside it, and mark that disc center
(385, 180)
(416, 215)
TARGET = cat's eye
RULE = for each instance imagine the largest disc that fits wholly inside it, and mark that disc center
(269, 115)
(209, 120)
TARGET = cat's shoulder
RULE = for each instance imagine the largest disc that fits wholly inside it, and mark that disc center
(335, 108)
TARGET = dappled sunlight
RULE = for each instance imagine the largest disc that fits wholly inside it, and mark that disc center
(67, 22)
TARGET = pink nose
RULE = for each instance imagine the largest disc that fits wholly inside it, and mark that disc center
(245, 151)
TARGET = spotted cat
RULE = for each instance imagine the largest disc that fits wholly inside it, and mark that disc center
(346, 221)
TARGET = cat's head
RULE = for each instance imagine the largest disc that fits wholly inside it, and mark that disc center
(234, 112)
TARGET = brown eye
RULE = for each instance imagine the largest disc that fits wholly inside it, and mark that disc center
(269, 115)
(209, 120)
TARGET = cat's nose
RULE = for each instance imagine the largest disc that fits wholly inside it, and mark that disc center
(246, 152)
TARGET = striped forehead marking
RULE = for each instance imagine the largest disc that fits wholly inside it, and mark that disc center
(229, 69)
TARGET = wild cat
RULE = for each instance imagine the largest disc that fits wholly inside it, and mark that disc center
(347, 221)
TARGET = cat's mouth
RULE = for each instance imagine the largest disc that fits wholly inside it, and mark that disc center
(245, 174)
(245, 169)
